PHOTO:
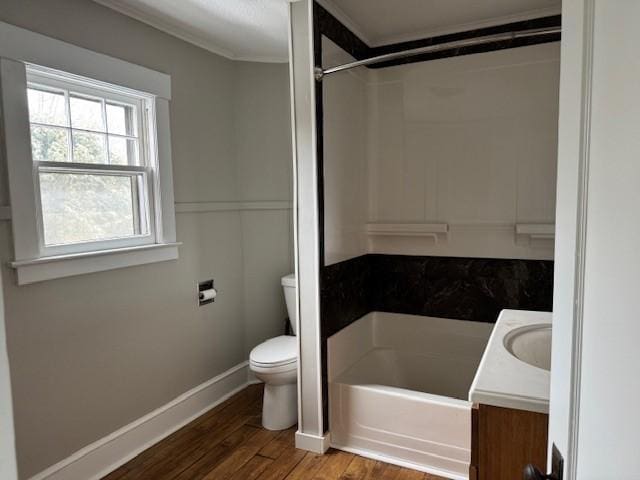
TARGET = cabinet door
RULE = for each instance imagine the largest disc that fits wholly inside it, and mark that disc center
(508, 440)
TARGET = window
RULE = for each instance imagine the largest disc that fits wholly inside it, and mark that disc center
(93, 167)
(88, 153)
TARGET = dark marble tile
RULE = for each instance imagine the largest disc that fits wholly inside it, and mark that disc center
(474, 289)
(461, 288)
(345, 293)
(327, 25)
(344, 297)
(550, 21)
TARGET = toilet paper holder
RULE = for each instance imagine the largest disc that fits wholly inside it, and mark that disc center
(206, 292)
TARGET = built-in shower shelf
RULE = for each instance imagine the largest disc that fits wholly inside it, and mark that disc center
(431, 230)
(536, 231)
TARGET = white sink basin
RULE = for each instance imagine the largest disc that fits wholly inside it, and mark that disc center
(514, 371)
(531, 344)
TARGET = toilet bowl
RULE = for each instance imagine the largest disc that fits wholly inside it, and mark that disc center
(275, 362)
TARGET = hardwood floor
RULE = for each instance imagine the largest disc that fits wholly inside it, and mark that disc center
(229, 443)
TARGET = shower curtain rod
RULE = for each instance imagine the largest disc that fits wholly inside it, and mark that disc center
(469, 42)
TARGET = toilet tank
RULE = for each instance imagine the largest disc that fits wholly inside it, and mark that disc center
(289, 287)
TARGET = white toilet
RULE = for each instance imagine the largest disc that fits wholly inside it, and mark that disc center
(275, 362)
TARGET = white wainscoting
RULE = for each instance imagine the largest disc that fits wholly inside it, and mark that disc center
(469, 141)
(346, 124)
(201, 207)
(105, 455)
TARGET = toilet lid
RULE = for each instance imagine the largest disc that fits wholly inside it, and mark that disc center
(275, 352)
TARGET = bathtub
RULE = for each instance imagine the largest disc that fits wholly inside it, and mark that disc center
(398, 387)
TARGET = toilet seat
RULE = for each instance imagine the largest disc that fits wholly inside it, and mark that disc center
(279, 352)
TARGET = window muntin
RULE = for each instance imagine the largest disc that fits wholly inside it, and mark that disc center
(94, 171)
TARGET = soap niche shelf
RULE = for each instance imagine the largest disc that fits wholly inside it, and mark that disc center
(536, 231)
(436, 231)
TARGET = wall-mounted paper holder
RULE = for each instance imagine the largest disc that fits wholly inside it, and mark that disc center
(206, 292)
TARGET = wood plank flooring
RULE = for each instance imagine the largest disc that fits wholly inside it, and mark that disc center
(229, 443)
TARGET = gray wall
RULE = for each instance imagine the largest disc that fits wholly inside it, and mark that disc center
(263, 156)
(8, 467)
(90, 354)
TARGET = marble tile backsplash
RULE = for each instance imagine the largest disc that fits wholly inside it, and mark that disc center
(474, 289)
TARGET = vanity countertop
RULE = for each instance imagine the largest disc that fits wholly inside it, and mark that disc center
(503, 380)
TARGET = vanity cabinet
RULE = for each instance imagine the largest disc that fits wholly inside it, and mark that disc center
(505, 440)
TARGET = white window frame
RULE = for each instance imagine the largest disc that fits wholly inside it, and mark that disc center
(47, 80)
(20, 51)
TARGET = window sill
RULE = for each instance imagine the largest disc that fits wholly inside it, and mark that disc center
(59, 266)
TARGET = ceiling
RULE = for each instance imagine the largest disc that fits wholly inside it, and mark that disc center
(256, 30)
(380, 22)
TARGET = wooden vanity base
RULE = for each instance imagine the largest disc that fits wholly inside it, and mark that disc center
(504, 440)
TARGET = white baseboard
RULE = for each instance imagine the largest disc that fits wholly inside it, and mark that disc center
(312, 443)
(105, 455)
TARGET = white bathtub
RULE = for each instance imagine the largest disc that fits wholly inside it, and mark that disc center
(398, 387)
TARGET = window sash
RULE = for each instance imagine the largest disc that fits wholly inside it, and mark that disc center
(94, 167)
(53, 80)
(147, 198)
(44, 80)
(144, 207)
(45, 83)
(84, 130)
(139, 148)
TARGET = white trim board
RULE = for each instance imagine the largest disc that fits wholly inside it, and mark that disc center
(313, 443)
(61, 266)
(584, 165)
(201, 207)
(307, 248)
(27, 46)
(105, 455)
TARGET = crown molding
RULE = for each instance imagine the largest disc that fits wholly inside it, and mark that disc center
(262, 59)
(181, 33)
